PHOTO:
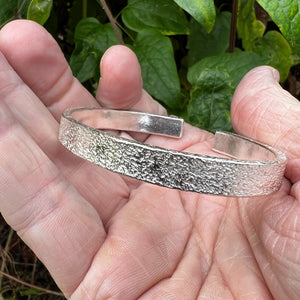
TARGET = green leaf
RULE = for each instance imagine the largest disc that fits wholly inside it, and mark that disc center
(237, 64)
(214, 79)
(164, 16)
(275, 47)
(30, 292)
(202, 44)
(92, 39)
(272, 45)
(7, 11)
(12, 9)
(203, 11)
(248, 27)
(84, 64)
(39, 10)
(10, 298)
(285, 13)
(155, 54)
(209, 107)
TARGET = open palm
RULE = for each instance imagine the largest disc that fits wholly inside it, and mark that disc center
(103, 236)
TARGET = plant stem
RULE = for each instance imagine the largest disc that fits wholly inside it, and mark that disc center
(112, 21)
(84, 9)
(30, 285)
(233, 25)
(33, 274)
(5, 250)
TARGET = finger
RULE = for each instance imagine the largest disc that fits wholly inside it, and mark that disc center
(121, 84)
(42, 66)
(261, 109)
(42, 57)
(121, 81)
(121, 87)
(39, 203)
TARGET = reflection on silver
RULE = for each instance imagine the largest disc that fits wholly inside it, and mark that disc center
(254, 169)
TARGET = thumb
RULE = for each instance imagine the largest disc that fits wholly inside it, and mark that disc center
(263, 110)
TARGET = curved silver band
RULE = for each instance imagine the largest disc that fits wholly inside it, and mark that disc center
(257, 170)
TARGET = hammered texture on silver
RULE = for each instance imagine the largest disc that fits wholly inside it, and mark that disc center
(172, 169)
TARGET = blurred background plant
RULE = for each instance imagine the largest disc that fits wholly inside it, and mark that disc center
(192, 54)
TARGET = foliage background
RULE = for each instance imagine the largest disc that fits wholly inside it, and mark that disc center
(192, 53)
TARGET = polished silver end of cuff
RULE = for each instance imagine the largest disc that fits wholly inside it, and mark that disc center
(253, 169)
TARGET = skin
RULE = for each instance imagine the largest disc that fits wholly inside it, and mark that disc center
(103, 236)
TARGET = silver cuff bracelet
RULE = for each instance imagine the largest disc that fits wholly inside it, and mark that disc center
(254, 169)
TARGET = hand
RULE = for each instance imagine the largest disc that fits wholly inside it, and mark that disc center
(104, 236)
